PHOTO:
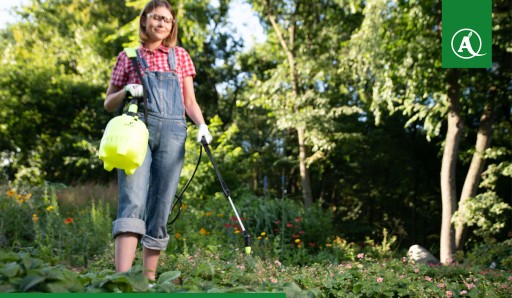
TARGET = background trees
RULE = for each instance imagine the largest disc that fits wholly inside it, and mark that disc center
(345, 106)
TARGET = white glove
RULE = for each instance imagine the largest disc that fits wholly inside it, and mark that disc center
(203, 132)
(134, 89)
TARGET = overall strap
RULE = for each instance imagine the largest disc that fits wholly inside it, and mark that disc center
(171, 58)
(134, 57)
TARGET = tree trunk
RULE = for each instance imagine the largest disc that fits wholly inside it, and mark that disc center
(448, 167)
(304, 172)
(483, 141)
(288, 48)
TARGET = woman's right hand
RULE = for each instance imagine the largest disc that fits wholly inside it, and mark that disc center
(134, 89)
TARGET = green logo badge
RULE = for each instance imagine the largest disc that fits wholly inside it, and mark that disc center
(467, 40)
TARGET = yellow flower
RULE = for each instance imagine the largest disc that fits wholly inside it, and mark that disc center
(203, 231)
(50, 208)
(178, 235)
(10, 193)
(28, 196)
(18, 197)
(35, 218)
(236, 231)
(297, 240)
(259, 237)
(263, 234)
(220, 215)
(208, 213)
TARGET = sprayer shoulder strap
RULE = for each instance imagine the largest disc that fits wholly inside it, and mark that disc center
(133, 55)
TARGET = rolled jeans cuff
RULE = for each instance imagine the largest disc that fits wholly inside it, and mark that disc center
(128, 225)
(154, 243)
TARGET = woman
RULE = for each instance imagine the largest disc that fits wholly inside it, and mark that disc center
(145, 198)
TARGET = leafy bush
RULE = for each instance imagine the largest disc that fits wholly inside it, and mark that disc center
(32, 217)
(279, 228)
(215, 271)
(23, 273)
(495, 254)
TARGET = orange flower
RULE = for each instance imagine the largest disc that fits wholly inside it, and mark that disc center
(10, 193)
(68, 220)
(178, 235)
(35, 218)
(203, 231)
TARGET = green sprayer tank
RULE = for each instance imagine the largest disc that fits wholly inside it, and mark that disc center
(124, 142)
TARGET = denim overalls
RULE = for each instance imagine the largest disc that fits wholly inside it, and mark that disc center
(145, 197)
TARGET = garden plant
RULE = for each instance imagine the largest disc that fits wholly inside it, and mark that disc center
(48, 247)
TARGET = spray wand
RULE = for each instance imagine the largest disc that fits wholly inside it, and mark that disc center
(247, 237)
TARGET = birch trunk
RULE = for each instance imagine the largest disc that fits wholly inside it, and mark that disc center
(483, 141)
(448, 167)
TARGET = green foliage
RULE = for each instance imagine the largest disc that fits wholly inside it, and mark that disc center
(67, 49)
(23, 273)
(208, 257)
(210, 272)
(279, 228)
(354, 61)
(491, 253)
(58, 91)
(33, 217)
(487, 213)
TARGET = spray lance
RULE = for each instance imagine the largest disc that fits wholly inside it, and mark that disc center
(247, 237)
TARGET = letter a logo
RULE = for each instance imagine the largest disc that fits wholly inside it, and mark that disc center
(467, 34)
(465, 50)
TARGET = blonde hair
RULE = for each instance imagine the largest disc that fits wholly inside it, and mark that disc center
(171, 40)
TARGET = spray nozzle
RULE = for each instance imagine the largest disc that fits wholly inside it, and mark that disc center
(247, 242)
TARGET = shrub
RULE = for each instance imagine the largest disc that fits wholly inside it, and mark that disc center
(32, 217)
(492, 254)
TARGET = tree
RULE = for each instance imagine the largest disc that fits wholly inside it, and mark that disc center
(396, 60)
(303, 92)
(58, 60)
(52, 82)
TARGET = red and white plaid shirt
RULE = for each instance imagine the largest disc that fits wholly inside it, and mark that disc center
(124, 73)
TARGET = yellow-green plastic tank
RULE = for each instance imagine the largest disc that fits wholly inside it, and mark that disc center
(124, 142)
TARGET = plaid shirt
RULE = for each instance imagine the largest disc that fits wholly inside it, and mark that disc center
(124, 73)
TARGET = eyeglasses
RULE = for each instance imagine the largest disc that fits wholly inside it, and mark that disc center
(158, 18)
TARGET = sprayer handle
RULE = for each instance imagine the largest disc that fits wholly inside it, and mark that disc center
(203, 141)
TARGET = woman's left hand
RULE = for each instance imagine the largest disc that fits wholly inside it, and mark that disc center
(204, 132)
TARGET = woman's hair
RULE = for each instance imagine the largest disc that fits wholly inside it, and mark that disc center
(171, 40)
